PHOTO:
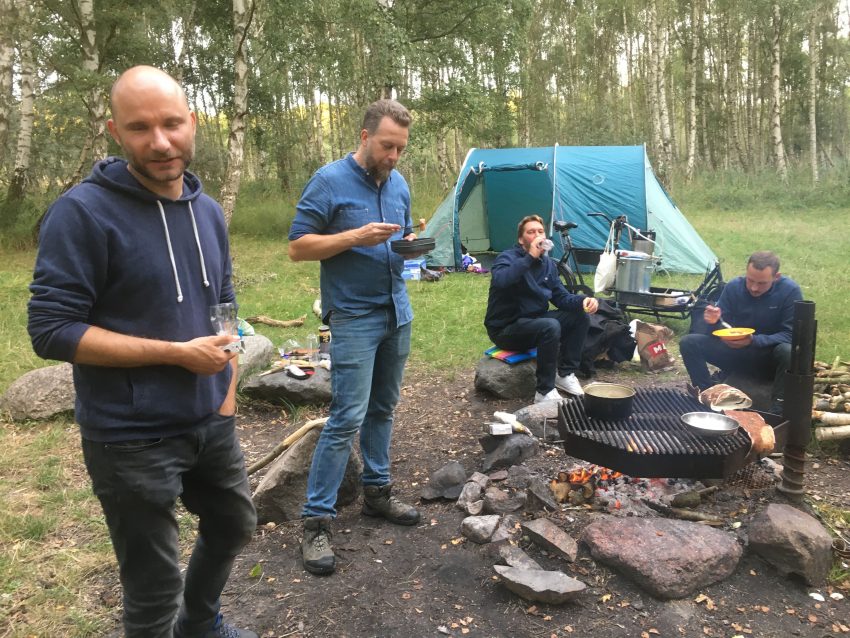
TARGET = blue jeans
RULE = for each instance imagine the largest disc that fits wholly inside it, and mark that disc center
(559, 337)
(697, 350)
(138, 483)
(368, 354)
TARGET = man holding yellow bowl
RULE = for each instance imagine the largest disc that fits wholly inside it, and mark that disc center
(763, 301)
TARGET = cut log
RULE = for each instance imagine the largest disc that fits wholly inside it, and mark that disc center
(831, 418)
(833, 433)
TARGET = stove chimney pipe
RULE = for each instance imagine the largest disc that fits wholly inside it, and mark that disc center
(797, 407)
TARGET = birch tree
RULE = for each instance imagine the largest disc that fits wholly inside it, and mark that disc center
(7, 58)
(20, 174)
(779, 157)
(813, 93)
(242, 13)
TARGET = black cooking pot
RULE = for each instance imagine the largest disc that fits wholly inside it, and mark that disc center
(608, 401)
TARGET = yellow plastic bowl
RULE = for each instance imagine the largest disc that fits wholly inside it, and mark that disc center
(733, 334)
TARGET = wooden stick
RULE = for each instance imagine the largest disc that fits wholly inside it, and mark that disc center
(685, 515)
(277, 323)
(287, 442)
(833, 433)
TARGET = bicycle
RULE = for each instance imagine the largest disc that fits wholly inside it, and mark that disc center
(570, 274)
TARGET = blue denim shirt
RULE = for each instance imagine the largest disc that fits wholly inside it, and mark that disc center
(341, 196)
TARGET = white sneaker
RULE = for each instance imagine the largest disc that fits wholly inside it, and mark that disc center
(552, 395)
(568, 384)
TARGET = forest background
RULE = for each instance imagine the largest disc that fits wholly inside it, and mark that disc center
(718, 90)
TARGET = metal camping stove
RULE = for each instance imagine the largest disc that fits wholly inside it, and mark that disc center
(654, 443)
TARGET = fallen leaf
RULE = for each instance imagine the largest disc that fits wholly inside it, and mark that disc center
(817, 596)
(406, 596)
(605, 598)
(443, 630)
(464, 630)
(791, 612)
(457, 541)
(547, 617)
(812, 618)
(753, 572)
(389, 541)
(256, 571)
(836, 596)
(653, 630)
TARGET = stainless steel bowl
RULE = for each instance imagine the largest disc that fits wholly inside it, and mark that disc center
(710, 423)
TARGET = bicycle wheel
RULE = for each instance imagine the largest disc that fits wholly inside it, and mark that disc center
(571, 282)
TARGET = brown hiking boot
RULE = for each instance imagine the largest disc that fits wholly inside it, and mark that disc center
(379, 501)
(316, 551)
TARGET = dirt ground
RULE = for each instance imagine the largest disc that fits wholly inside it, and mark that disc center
(429, 581)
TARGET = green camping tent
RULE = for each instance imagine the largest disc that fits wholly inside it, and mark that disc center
(498, 187)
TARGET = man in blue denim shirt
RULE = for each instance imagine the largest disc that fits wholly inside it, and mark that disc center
(348, 213)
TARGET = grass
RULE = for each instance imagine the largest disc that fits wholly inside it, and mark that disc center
(56, 561)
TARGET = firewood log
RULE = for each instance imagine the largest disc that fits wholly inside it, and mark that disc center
(277, 323)
(833, 433)
(831, 418)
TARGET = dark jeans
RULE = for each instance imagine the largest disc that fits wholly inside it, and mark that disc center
(138, 483)
(697, 350)
(558, 336)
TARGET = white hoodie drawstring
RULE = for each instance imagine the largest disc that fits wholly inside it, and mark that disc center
(170, 252)
(200, 251)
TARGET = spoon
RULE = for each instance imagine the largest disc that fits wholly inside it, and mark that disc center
(725, 325)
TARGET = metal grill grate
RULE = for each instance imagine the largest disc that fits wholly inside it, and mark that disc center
(653, 442)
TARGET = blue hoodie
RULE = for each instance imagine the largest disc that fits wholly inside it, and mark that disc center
(116, 255)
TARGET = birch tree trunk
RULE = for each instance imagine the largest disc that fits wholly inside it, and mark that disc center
(96, 102)
(236, 140)
(20, 175)
(7, 58)
(779, 156)
(692, 93)
(813, 95)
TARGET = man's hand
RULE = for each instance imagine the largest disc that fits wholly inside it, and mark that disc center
(590, 305)
(537, 247)
(737, 344)
(375, 233)
(711, 314)
(204, 355)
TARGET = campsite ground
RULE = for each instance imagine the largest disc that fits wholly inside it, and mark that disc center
(428, 581)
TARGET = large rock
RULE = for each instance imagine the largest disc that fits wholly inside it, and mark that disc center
(480, 529)
(506, 381)
(541, 419)
(258, 355)
(281, 494)
(552, 538)
(510, 450)
(280, 388)
(447, 482)
(793, 542)
(670, 559)
(538, 585)
(40, 394)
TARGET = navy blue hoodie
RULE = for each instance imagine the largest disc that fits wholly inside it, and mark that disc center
(116, 255)
(523, 286)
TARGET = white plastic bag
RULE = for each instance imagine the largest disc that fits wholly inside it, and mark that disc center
(606, 271)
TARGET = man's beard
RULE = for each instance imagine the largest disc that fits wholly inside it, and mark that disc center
(378, 172)
(139, 167)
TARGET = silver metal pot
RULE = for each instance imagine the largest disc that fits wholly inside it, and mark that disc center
(634, 273)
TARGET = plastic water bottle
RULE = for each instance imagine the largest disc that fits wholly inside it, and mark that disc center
(546, 245)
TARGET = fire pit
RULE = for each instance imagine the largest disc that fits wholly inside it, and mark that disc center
(653, 442)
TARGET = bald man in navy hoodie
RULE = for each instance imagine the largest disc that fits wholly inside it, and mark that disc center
(129, 262)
